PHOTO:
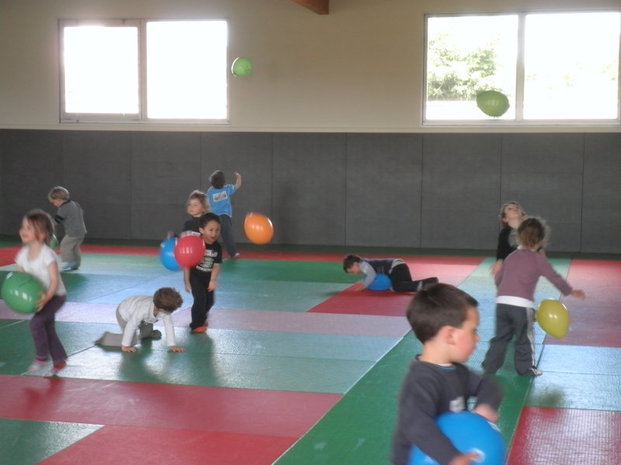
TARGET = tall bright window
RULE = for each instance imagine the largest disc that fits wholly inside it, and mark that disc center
(551, 67)
(144, 70)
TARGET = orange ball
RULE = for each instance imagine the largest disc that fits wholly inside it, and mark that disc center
(258, 228)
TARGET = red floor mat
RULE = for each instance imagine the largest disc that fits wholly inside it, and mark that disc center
(452, 270)
(596, 320)
(559, 437)
(7, 256)
(118, 445)
(243, 411)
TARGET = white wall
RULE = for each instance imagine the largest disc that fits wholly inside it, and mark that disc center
(358, 69)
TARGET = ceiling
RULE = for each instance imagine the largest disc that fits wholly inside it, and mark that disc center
(321, 7)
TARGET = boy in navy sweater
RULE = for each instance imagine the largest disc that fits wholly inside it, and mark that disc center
(445, 320)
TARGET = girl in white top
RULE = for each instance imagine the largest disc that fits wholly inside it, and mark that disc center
(39, 260)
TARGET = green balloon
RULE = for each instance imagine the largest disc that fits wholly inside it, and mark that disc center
(54, 242)
(241, 67)
(492, 103)
(21, 292)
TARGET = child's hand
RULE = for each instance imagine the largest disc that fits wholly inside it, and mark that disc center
(176, 349)
(212, 285)
(487, 412)
(579, 294)
(128, 349)
(466, 459)
(44, 300)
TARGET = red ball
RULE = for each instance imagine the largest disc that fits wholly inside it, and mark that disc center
(189, 251)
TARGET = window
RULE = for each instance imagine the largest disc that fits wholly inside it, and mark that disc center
(144, 71)
(551, 67)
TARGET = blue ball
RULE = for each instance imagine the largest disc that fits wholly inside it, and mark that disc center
(380, 283)
(167, 254)
(469, 433)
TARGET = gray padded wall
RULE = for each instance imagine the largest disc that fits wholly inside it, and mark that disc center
(309, 189)
(461, 190)
(601, 207)
(383, 190)
(544, 173)
(165, 168)
(399, 190)
(98, 174)
(32, 163)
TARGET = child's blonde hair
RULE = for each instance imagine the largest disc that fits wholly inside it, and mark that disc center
(502, 215)
(42, 223)
(58, 193)
(533, 232)
(201, 197)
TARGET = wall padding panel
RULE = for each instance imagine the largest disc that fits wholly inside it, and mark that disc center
(544, 173)
(309, 188)
(384, 190)
(98, 174)
(165, 168)
(601, 208)
(461, 189)
(32, 163)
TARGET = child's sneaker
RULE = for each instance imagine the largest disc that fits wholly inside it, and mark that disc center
(155, 334)
(37, 366)
(425, 283)
(199, 330)
(55, 369)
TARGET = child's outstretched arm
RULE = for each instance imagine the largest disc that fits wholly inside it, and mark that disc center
(238, 180)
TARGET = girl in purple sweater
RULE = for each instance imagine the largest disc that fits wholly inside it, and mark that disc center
(515, 313)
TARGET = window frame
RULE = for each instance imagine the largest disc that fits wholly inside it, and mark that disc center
(142, 116)
(518, 120)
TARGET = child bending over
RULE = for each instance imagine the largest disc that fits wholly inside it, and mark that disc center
(141, 312)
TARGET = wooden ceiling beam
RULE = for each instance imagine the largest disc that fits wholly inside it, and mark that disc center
(321, 7)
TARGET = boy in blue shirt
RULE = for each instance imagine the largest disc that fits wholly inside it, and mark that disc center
(219, 196)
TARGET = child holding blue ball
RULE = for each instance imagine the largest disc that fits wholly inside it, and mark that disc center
(445, 319)
(395, 268)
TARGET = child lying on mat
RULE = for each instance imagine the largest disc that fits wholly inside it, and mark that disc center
(395, 268)
(140, 313)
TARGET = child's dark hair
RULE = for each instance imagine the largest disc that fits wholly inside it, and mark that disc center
(532, 232)
(206, 218)
(201, 197)
(167, 298)
(42, 223)
(437, 306)
(350, 260)
(217, 179)
(58, 193)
